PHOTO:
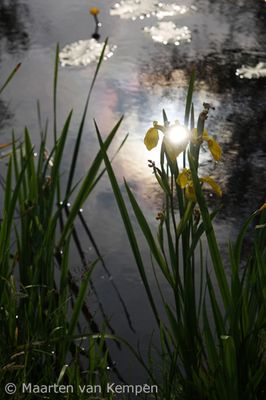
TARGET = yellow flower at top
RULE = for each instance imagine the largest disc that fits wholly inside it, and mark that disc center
(94, 10)
(176, 138)
(213, 145)
(184, 180)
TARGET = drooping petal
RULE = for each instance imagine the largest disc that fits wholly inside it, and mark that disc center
(183, 178)
(151, 138)
(205, 135)
(214, 148)
(215, 187)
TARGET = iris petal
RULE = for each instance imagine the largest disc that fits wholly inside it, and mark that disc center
(173, 149)
(211, 182)
(183, 178)
(151, 138)
(215, 149)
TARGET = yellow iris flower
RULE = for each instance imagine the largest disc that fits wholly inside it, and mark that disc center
(173, 147)
(213, 146)
(184, 180)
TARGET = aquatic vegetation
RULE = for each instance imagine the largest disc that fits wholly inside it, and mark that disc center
(84, 52)
(133, 9)
(168, 32)
(256, 72)
(212, 328)
(87, 51)
(41, 303)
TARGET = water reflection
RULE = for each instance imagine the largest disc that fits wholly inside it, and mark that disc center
(239, 123)
(238, 119)
(14, 19)
(133, 9)
(168, 32)
(13, 37)
(5, 115)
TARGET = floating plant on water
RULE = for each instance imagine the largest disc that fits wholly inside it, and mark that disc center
(259, 71)
(133, 9)
(84, 52)
(168, 32)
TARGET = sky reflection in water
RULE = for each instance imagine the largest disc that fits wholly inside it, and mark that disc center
(144, 77)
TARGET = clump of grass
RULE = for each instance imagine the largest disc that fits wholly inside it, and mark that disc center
(213, 345)
(40, 303)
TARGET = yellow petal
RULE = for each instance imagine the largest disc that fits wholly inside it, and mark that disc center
(173, 149)
(215, 187)
(214, 148)
(205, 135)
(190, 193)
(151, 138)
(183, 178)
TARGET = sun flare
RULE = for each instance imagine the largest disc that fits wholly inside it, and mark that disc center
(178, 134)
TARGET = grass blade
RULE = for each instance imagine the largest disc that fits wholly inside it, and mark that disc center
(10, 77)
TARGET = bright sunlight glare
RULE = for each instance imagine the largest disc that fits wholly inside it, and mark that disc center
(178, 134)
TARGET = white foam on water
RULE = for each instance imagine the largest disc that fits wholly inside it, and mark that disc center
(168, 32)
(259, 71)
(83, 52)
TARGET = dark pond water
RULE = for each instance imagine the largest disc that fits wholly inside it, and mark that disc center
(139, 80)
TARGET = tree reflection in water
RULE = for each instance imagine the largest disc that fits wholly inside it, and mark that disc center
(239, 118)
(14, 17)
